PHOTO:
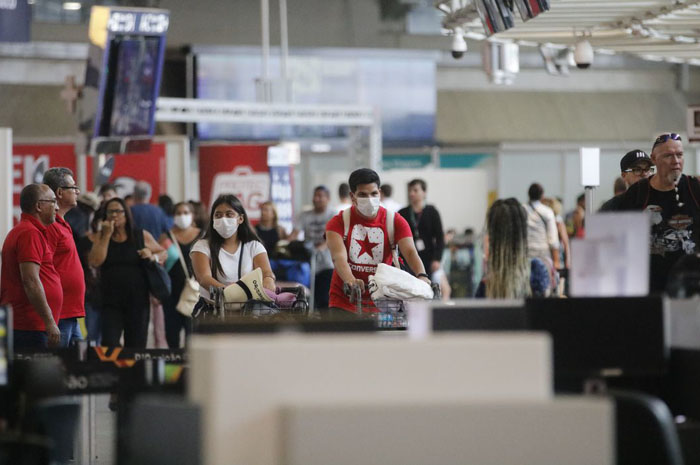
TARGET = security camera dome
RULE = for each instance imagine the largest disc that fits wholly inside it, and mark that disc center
(459, 45)
(583, 54)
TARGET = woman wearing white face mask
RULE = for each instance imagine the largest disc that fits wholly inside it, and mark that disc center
(186, 233)
(230, 249)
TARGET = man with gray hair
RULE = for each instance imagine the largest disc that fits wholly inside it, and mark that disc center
(65, 258)
(28, 279)
(147, 216)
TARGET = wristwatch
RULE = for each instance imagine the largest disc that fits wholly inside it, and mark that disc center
(422, 275)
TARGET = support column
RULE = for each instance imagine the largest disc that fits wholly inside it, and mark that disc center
(6, 182)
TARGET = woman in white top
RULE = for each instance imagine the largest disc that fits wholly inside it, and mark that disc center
(230, 249)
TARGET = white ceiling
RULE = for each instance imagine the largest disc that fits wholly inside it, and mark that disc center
(667, 30)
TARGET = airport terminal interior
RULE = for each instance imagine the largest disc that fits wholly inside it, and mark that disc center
(313, 232)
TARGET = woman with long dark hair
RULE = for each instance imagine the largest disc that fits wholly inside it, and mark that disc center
(186, 233)
(115, 250)
(230, 249)
(509, 269)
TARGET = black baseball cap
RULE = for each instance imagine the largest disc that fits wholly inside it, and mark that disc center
(633, 157)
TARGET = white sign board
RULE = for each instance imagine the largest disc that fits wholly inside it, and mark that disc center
(590, 166)
(613, 259)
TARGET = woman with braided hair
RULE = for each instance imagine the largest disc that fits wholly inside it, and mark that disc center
(510, 273)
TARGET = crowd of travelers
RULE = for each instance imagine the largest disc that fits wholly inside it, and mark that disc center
(88, 255)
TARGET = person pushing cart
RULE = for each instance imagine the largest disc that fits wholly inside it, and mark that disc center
(362, 237)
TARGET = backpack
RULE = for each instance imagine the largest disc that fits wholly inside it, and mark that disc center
(389, 224)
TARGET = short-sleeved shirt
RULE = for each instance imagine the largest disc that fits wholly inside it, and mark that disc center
(67, 264)
(542, 233)
(229, 261)
(150, 218)
(674, 225)
(314, 226)
(368, 246)
(27, 242)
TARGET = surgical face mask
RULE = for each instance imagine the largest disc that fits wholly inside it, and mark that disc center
(183, 221)
(368, 206)
(226, 227)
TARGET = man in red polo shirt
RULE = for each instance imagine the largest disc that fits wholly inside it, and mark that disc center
(28, 279)
(66, 259)
(356, 256)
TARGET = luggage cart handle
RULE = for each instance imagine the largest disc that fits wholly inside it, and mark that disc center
(354, 291)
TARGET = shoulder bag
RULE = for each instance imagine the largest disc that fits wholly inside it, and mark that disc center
(159, 284)
(190, 292)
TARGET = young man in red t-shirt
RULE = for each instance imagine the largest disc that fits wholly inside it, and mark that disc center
(367, 242)
(28, 281)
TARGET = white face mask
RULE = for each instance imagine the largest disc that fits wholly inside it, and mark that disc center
(183, 221)
(226, 227)
(368, 206)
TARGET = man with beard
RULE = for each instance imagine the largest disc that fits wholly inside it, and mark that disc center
(672, 198)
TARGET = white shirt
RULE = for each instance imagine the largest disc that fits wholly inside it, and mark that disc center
(542, 233)
(229, 261)
(391, 205)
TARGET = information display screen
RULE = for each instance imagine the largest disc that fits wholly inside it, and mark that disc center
(130, 93)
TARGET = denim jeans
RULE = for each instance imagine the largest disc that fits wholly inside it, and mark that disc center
(70, 331)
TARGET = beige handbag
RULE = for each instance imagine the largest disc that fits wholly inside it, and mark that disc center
(190, 293)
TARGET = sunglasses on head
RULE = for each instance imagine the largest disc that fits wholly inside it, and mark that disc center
(663, 138)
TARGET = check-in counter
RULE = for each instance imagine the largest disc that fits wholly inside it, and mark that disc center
(261, 396)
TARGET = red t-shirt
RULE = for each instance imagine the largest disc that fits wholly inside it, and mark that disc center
(367, 245)
(27, 242)
(67, 264)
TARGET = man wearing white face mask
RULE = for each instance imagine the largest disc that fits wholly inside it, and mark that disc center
(366, 244)
(186, 233)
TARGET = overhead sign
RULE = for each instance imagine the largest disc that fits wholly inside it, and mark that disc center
(15, 20)
(123, 74)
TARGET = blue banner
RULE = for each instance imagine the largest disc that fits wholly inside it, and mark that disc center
(15, 20)
(281, 195)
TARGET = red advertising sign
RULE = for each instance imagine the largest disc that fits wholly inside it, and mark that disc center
(125, 170)
(235, 169)
(30, 161)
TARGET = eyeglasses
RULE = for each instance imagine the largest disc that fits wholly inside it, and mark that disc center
(75, 188)
(115, 212)
(639, 171)
(53, 201)
(665, 137)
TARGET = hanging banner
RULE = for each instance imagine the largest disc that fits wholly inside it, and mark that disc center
(15, 20)
(30, 162)
(241, 170)
(281, 191)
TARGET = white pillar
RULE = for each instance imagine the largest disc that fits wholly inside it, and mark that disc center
(6, 182)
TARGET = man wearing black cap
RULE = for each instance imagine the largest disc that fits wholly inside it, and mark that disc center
(634, 166)
(673, 199)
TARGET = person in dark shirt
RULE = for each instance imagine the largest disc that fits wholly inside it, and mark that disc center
(634, 166)
(426, 225)
(147, 216)
(268, 230)
(672, 199)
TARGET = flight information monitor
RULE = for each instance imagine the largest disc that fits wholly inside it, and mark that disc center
(122, 80)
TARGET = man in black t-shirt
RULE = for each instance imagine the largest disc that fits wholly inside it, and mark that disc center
(672, 199)
(426, 225)
(634, 166)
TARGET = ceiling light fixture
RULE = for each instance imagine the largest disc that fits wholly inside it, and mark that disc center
(72, 6)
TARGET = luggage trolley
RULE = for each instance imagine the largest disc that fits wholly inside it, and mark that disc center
(391, 313)
(259, 308)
